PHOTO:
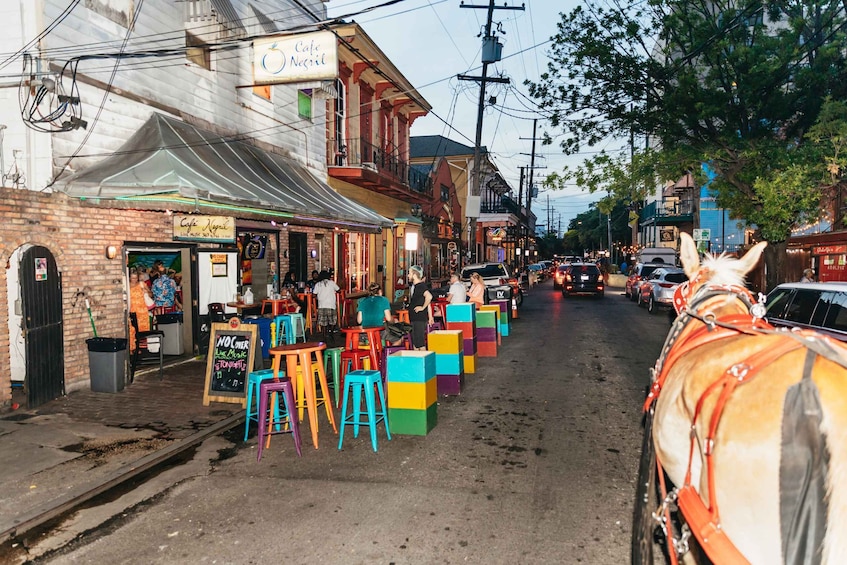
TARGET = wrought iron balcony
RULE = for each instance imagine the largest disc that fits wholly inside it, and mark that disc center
(668, 212)
(376, 167)
(493, 203)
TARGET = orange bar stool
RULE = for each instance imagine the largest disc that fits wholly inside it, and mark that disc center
(403, 316)
(352, 339)
(299, 356)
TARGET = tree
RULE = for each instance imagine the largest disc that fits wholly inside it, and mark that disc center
(735, 84)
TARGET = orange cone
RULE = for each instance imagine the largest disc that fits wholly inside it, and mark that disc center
(514, 308)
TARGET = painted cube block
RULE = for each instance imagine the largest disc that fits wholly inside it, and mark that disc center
(449, 363)
(461, 312)
(445, 341)
(413, 396)
(504, 329)
(490, 308)
(470, 364)
(485, 319)
(411, 366)
(486, 349)
(403, 421)
(468, 329)
(485, 334)
(469, 346)
(450, 385)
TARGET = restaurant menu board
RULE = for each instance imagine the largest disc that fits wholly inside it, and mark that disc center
(232, 351)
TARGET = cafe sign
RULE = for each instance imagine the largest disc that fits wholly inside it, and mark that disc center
(208, 229)
(295, 58)
(829, 250)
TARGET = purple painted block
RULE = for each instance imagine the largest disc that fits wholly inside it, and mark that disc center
(450, 384)
(469, 346)
(486, 334)
(503, 304)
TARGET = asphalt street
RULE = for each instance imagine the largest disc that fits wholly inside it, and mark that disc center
(535, 462)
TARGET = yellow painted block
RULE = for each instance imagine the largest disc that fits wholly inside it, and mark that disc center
(470, 363)
(445, 341)
(413, 396)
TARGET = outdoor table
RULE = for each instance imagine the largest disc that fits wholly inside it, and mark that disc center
(240, 306)
(278, 306)
(351, 342)
(302, 353)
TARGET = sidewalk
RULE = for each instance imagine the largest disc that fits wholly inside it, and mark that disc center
(77, 441)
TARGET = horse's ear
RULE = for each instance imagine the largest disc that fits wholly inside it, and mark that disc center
(746, 263)
(688, 255)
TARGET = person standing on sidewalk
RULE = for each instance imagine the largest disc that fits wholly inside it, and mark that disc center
(457, 293)
(420, 314)
(325, 291)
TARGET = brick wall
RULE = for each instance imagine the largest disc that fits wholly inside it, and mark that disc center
(77, 234)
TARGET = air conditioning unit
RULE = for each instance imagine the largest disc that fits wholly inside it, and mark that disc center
(369, 165)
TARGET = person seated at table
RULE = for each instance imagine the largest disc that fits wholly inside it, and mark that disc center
(313, 281)
(290, 280)
(292, 305)
(374, 310)
(325, 291)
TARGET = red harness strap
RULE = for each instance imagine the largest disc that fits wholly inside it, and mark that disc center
(705, 521)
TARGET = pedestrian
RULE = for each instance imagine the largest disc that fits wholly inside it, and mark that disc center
(623, 267)
(325, 291)
(476, 293)
(164, 290)
(808, 276)
(456, 294)
(420, 314)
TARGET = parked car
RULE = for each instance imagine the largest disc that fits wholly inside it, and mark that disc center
(658, 288)
(559, 275)
(499, 282)
(819, 306)
(640, 272)
(539, 270)
(583, 278)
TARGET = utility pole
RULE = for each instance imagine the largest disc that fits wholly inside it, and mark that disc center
(491, 53)
(531, 175)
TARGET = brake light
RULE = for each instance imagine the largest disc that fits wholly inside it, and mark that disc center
(503, 281)
(666, 285)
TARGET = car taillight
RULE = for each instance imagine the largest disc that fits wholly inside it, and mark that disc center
(666, 285)
(568, 278)
(503, 281)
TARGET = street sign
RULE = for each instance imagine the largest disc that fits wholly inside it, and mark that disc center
(702, 234)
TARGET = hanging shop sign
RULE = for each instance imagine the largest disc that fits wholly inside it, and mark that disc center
(209, 229)
(829, 249)
(295, 58)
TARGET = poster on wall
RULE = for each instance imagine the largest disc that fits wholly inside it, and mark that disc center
(41, 268)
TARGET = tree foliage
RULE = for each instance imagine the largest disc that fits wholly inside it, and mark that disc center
(740, 85)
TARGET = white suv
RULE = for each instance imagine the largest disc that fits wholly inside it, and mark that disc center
(500, 284)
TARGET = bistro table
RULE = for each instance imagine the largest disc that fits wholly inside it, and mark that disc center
(241, 306)
(351, 342)
(278, 305)
(301, 354)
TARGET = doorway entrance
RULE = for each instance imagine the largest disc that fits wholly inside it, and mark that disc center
(297, 261)
(39, 305)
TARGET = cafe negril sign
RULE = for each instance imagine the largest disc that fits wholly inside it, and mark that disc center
(209, 229)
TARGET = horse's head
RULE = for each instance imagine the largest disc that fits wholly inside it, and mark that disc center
(715, 272)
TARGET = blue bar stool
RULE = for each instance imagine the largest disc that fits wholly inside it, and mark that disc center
(254, 379)
(367, 380)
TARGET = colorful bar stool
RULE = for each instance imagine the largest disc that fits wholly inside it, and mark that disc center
(266, 427)
(278, 334)
(253, 380)
(332, 360)
(295, 328)
(403, 316)
(364, 381)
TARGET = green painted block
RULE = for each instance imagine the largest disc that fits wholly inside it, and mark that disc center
(486, 319)
(403, 421)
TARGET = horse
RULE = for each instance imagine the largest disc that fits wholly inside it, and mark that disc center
(749, 423)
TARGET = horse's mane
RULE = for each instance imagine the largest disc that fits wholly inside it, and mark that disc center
(722, 270)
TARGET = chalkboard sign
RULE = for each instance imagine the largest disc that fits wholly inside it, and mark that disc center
(232, 351)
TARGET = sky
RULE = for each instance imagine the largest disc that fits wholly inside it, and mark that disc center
(432, 41)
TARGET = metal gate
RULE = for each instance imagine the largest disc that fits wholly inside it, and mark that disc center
(41, 301)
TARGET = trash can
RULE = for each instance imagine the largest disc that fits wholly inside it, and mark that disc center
(107, 363)
(171, 326)
(264, 333)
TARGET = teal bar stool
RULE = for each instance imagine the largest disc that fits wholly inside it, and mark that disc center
(278, 331)
(332, 359)
(295, 327)
(360, 381)
(254, 379)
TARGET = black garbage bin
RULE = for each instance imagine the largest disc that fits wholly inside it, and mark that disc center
(107, 363)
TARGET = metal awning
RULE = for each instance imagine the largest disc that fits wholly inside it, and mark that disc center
(167, 160)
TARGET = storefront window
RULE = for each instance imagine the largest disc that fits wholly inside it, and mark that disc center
(358, 257)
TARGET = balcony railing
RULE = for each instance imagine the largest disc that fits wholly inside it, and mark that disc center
(492, 204)
(668, 209)
(358, 152)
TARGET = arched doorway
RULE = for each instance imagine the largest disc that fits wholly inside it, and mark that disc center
(41, 324)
